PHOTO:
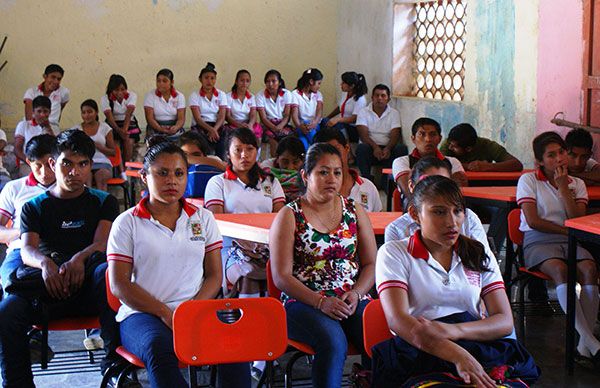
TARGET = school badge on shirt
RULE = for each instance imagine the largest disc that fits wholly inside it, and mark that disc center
(267, 190)
(196, 228)
(364, 199)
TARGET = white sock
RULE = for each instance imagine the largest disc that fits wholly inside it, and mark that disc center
(255, 295)
(589, 300)
(587, 338)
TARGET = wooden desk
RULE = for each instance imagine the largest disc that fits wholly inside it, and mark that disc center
(255, 227)
(507, 195)
(585, 228)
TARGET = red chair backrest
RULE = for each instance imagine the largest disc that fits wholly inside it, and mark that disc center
(514, 220)
(375, 327)
(272, 289)
(397, 201)
(201, 338)
(113, 301)
(115, 160)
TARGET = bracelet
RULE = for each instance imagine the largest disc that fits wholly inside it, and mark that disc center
(358, 294)
(320, 302)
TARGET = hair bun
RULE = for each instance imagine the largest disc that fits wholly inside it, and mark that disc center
(209, 66)
(157, 139)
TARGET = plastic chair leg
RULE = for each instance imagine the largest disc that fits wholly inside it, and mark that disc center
(521, 318)
(289, 368)
(193, 376)
(44, 352)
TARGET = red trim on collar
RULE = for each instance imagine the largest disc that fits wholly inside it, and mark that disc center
(141, 209)
(229, 174)
(40, 87)
(416, 248)
(356, 176)
(268, 95)
(31, 181)
(540, 176)
(215, 92)
(416, 154)
(173, 92)
(34, 123)
(234, 95)
(112, 96)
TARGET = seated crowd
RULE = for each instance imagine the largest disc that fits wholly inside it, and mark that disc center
(436, 274)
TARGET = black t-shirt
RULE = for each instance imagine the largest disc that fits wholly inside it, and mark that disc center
(67, 226)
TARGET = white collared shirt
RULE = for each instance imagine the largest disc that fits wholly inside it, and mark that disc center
(349, 106)
(274, 108)
(119, 109)
(365, 192)
(57, 98)
(401, 165)
(533, 187)
(168, 264)
(240, 110)
(209, 109)
(307, 104)
(380, 128)
(28, 129)
(165, 110)
(432, 291)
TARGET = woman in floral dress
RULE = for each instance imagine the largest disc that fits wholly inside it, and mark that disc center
(323, 258)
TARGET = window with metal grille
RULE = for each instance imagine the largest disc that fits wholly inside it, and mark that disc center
(437, 49)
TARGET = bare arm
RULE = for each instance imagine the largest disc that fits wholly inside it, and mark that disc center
(19, 148)
(31, 256)
(460, 178)
(536, 222)
(180, 121)
(220, 118)
(363, 132)
(511, 164)
(151, 120)
(262, 115)
(109, 148)
(295, 117)
(110, 119)
(7, 234)
(28, 109)
(287, 111)
(367, 252)
(334, 112)
(216, 209)
(213, 275)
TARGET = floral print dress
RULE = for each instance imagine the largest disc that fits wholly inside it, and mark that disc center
(326, 262)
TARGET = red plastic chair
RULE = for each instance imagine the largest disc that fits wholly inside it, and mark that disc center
(116, 180)
(397, 201)
(301, 348)
(201, 338)
(524, 275)
(375, 327)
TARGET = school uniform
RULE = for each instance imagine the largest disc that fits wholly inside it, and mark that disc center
(349, 107)
(380, 129)
(99, 160)
(534, 187)
(307, 111)
(165, 112)
(450, 296)
(364, 192)
(169, 264)
(57, 98)
(274, 108)
(119, 110)
(591, 165)
(209, 111)
(404, 164)
(30, 128)
(240, 106)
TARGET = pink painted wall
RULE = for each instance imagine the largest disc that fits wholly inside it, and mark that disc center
(560, 58)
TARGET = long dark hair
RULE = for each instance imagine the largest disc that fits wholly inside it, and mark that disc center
(357, 82)
(91, 104)
(310, 74)
(239, 73)
(471, 252)
(158, 145)
(114, 82)
(256, 173)
(276, 74)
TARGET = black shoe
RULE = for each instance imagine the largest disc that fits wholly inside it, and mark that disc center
(35, 348)
(537, 291)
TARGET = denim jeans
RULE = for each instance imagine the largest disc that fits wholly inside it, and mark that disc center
(146, 336)
(328, 337)
(365, 158)
(17, 314)
(11, 262)
(307, 138)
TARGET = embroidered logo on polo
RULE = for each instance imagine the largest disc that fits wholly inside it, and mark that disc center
(72, 224)
(473, 277)
(267, 190)
(196, 228)
(364, 199)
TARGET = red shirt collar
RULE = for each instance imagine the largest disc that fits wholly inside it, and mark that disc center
(215, 92)
(31, 181)
(416, 154)
(229, 174)
(234, 95)
(34, 123)
(141, 209)
(268, 95)
(355, 175)
(416, 248)
(173, 92)
(112, 96)
(539, 174)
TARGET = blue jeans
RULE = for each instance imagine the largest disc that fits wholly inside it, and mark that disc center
(328, 337)
(146, 336)
(11, 262)
(17, 314)
(365, 158)
(307, 138)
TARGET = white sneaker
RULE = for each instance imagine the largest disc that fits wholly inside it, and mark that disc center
(93, 342)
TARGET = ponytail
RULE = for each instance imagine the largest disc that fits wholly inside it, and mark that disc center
(310, 74)
(357, 82)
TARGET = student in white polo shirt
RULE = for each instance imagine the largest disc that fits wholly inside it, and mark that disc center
(243, 188)
(209, 106)
(19, 191)
(274, 106)
(431, 286)
(352, 101)
(307, 108)
(118, 105)
(162, 253)
(547, 198)
(51, 88)
(360, 189)
(379, 128)
(581, 164)
(164, 107)
(241, 111)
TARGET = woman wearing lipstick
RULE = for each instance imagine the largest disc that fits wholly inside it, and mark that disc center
(431, 286)
(244, 187)
(173, 248)
(323, 259)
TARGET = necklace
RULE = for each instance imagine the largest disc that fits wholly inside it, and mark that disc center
(331, 216)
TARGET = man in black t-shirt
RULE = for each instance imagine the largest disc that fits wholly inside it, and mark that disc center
(69, 222)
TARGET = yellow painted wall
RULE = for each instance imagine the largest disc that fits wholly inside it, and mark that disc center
(92, 39)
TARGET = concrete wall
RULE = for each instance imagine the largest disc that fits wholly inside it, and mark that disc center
(517, 57)
(92, 39)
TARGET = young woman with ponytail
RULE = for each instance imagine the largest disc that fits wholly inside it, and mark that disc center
(353, 99)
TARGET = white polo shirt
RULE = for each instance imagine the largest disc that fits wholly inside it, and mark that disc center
(167, 264)
(13, 197)
(28, 129)
(209, 109)
(533, 187)
(401, 165)
(119, 109)
(405, 226)
(57, 98)
(99, 137)
(364, 192)
(349, 106)
(240, 110)
(230, 192)
(274, 107)
(380, 128)
(590, 165)
(306, 103)
(165, 110)
(432, 291)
